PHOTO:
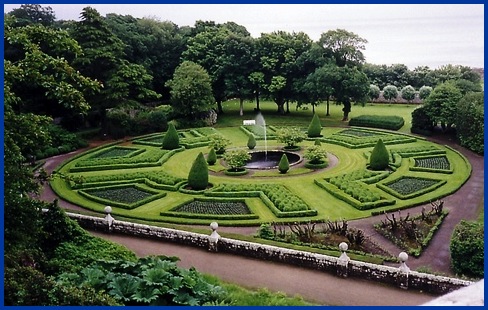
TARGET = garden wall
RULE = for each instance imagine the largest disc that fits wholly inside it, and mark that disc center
(342, 266)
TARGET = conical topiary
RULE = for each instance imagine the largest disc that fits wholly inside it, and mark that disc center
(171, 139)
(315, 127)
(379, 158)
(212, 157)
(198, 176)
(284, 165)
(251, 142)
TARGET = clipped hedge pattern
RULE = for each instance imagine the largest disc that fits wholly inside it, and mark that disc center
(407, 187)
(434, 164)
(418, 151)
(391, 122)
(360, 138)
(126, 196)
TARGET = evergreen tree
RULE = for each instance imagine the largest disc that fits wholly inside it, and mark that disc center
(251, 142)
(379, 157)
(198, 176)
(171, 139)
(315, 127)
(212, 157)
(284, 165)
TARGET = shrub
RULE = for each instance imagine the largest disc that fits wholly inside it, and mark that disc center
(467, 247)
(421, 122)
(284, 165)
(315, 127)
(317, 142)
(219, 143)
(171, 139)
(251, 142)
(212, 157)
(378, 121)
(198, 176)
(236, 159)
(470, 126)
(379, 156)
(290, 136)
(408, 93)
(390, 92)
(424, 92)
(316, 154)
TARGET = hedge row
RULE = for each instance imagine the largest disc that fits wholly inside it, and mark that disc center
(434, 164)
(355, 142)
(156, 195)
(418, 151)
(116, 152)
(258, 131)
(339, 194)
(386, 187)
(378, 121)
(151, 160)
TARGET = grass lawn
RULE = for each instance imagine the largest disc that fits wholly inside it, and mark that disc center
(299, 181)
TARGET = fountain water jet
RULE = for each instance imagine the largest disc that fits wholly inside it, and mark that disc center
(261, 122)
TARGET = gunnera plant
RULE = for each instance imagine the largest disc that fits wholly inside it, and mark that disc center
(198, 175)
(283, 165)
(212, 157)
(251, 142)
(380, 157)
(171, 139)
(315, 127)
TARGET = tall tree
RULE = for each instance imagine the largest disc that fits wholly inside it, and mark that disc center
(191, 91)
(344, 46)
(33, 14)
(441, 104)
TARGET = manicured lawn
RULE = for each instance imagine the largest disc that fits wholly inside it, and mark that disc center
(299, 183)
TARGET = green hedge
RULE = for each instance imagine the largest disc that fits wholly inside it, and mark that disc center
(155, 196)
(391, 122)
(316, 166)
(418, 193)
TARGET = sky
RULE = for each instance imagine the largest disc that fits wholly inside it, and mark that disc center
(411, 34)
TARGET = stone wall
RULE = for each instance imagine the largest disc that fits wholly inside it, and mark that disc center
(344, 267)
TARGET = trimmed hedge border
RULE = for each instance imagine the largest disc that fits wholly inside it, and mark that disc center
(378, 121)
(122, 205)
(316, 166)
(236, 173)
(412, 166)
(184, 190)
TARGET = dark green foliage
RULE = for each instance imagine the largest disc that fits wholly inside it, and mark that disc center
(378, 121)
(251, 142)
(422, 123)
(135, 121)
(379, 157)
(284, 165)
(315, 127)
(467, 248)
(171, 139)
(153, 280)
(212, 157)
(317, 142)
(470, 126)
(62, 141)
(198, 176)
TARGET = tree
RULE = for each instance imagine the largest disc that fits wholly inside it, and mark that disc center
(319, 85)
(191, 91)
(467, 248)
(424, 92)
(314, 128)
(390, 92)
(236, 159)
(470, 126)
(219, 143)
(440, 106)
(380, 157)
(351, 85)
(283, 165)
(198, 175)
(374, 92)
(211, 157)
(33, 14)
(290, 136)
(408, 93)
(251, 142)
(421, 122)
(343, 46)
(466, 86)
(171, 139)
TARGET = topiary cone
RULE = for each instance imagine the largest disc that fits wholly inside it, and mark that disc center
(212, 157)
(198, 176)
(379, 158)
(315, 128)
(284, 165)
(171, 139)
(251, 142)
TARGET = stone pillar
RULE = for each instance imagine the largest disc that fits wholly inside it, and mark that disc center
(343, 261)
(403, 271)
(214, 237)
(108, 218)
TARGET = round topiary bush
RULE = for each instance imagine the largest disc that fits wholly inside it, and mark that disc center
(467, 244)
(284, 165)
(212, 157)
(315, 128)
(198, 176)
(251, 142)
(171, 139)
(380, 157)
(317, 142)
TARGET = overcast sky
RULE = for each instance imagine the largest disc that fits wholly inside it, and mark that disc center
(412, 34)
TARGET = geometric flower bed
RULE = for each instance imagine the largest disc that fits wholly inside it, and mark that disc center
(124, 196)
(214, 207)
(360, 138)
(438, 164)
(407, 187)
(116, 151)
(189, 138)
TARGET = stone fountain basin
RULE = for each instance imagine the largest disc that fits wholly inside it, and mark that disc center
(271, 159)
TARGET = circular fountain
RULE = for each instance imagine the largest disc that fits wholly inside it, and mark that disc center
(270, 159)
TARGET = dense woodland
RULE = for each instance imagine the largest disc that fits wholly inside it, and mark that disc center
(122, 75)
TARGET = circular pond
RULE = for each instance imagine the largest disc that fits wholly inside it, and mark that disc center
(271, 159)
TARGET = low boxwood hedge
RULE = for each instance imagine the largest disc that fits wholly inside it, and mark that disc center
(391, 122)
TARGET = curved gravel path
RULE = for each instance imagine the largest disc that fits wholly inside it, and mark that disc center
(319, 287)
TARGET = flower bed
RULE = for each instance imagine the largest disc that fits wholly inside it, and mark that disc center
(436, 164)
(407, 187)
